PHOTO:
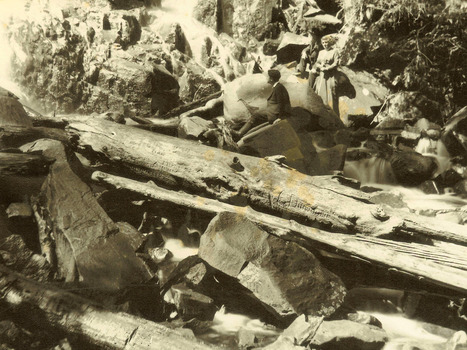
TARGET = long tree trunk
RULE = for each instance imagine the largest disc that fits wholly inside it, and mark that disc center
(15, 136)
(234, 178)
(91, 322)
(23, 164)
(443, 267)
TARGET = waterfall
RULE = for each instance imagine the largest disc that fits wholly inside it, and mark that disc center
(437, 150)
(370, 170)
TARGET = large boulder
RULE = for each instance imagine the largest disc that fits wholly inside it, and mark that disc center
(290, 47)
(411, 168)
(279, 273)
(254, 90)
(361, 96)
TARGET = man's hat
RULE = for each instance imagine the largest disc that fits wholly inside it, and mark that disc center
(274, 74)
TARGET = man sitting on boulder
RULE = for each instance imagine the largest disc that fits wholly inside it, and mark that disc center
(278, 106)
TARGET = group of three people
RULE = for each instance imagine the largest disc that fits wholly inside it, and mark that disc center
(321, 78)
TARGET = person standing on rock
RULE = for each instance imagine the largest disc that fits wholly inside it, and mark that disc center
(278, 106)
(326, 67)
(309, 57)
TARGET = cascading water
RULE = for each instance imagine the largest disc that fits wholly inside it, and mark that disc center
(9, 9)
(370, 171)
(436, 149)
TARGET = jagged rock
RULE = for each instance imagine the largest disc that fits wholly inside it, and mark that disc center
(364, 318)
(193, 127)
(207, 12)
(191, 304)
(349, 335)
(64, 64)
(290, 47)
(196, 84)
(12, 112)
(243, 19)
(411, 168)
(362, 97)
(302, 329)
(276, 271)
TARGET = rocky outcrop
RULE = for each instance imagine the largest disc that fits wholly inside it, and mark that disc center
(72, 60)
(238, 18)
(277, 272)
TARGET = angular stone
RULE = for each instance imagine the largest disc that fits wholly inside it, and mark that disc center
(191, 304)
(277, 272)
(290, 47)
(302, 330)
(348, 335)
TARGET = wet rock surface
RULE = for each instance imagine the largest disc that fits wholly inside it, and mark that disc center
(276, 272)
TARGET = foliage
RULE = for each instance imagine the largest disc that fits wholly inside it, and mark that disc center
(429, 41)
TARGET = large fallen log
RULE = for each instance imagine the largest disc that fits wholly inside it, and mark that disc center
(89, 321)
(15, 136)
(23, 164)
(265, 185)
(437, 265)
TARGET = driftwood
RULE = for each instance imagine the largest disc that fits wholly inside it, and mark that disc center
(87, 320)
(266, 185)
(438, 265)
(189, 106)
(23, 164)
(15, 136)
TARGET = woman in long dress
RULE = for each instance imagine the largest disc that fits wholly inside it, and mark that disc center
(326, 67)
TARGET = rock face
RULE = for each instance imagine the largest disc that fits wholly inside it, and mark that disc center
(70, 59)
(284, 276)
(240, 19)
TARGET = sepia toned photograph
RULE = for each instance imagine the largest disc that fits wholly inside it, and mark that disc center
(233, 174)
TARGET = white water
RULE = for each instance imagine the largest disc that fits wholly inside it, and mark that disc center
(437, 150)
(370, 171)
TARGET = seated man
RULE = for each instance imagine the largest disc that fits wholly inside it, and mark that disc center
(278, 106)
